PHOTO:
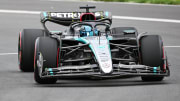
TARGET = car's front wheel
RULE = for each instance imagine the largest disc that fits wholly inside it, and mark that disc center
(46, 52)
(152, 53)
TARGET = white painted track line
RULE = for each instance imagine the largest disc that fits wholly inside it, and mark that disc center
(114, 17)
(8, 54)
(146, 19)
(124, 3)
(19, 11)
(172, 46)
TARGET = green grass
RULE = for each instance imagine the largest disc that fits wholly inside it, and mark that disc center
(172, 2)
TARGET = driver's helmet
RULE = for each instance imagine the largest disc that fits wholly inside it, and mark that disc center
(87, 31)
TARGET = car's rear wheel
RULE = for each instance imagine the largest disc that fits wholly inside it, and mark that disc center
(46, 56)
(151, 52)
(26, 43)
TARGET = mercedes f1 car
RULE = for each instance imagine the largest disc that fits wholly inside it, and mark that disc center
(89, 47)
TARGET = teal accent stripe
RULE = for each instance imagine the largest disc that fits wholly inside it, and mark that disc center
(106, 14)
(50, 69)
(45, 14)
(154, 69)
(109, 37)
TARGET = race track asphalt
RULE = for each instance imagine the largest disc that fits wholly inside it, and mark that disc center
(18, 86)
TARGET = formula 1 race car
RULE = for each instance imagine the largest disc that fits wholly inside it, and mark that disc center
(89, 47)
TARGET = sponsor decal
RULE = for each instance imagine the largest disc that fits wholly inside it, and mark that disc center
(65, 15)
(106, 65)
(101, 47)
(72, 15)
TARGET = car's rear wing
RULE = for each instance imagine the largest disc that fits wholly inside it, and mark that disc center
(66, 18)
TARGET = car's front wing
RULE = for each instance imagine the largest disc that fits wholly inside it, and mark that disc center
(94, 71)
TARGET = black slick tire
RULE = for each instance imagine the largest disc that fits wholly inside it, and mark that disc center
(151, 52)
(48, 48)
(26, 43)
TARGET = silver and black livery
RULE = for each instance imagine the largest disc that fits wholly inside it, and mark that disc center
(89, 47)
